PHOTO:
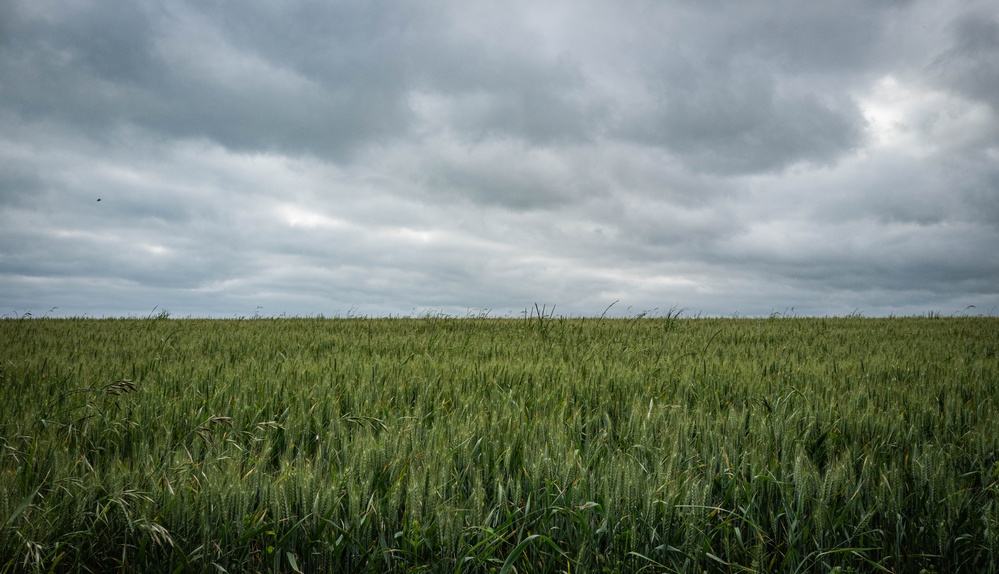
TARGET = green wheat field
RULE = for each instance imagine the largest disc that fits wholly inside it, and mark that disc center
(533, 444)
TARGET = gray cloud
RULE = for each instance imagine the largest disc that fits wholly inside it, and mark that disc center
(971, 65)
(738, 122)
(184, 72)
(314, 157)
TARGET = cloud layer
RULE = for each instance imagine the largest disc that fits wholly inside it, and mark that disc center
(390, 158)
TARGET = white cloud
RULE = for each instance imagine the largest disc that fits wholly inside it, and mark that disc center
(923, 121)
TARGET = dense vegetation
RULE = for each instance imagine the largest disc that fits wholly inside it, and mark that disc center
(540, 444)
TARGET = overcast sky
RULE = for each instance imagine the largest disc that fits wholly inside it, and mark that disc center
(303, 158)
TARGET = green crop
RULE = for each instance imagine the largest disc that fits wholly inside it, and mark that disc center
(541, 444)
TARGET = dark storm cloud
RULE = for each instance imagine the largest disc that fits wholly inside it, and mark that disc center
(971, 65)
(760, 88)
(541, 102)
(84, 65)
(312, 77)
(186, 72)
(738, 122)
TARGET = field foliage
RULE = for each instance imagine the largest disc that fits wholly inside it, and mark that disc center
(540, 444)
